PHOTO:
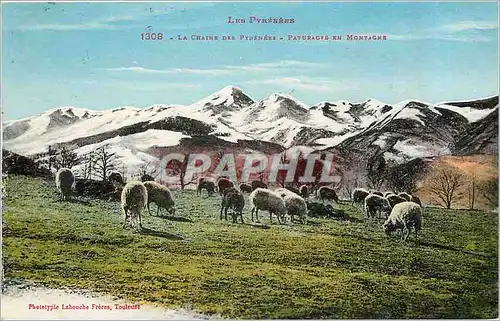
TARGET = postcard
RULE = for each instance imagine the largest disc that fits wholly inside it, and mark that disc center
(249, 160)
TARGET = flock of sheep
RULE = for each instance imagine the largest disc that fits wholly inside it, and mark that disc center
(402, 211)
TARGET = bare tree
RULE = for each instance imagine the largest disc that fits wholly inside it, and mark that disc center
(149, 169)
(281, 175)
(444, 182)
(489, 190)
(179, 168)
(66, 158)
(104, 162)
(472, 182)
(88, 164)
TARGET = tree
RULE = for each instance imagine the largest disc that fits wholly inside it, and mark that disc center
(88, 164)
(150, 169)
(472, 182)
(104, 162)
(404, 177)
(376, 167)
(281, 175)
(179, 168)
(489, 190)
(66, 158)
(444, 182)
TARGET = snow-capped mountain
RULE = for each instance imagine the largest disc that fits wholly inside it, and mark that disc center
(230, 118)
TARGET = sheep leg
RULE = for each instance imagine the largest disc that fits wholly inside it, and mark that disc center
(221, 209)
(157, 210)
(252, 213)
(149, 211)
(241, 215)
(225, 213)
(125, 216)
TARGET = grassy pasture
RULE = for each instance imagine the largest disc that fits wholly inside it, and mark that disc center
(325, 269)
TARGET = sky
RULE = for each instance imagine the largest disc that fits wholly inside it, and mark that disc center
(91, 55)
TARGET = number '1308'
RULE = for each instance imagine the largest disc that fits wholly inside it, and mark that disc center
(152, 36)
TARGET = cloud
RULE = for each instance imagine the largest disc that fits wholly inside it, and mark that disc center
(463, 31)
(306, 83)
(471, 25)
(172, 71)
(225, 70)
(109, 22)
(148, 86)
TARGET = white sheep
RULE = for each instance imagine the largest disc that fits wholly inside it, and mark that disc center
(65, 183)
(295, 204)
(358, 196)
(266, 200)
(375, 203)
(404, 216)
(161, 196)
(134, 199)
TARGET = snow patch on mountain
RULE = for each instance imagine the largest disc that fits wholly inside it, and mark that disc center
(471, 114)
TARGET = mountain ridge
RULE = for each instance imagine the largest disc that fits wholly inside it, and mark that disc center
(410, 128)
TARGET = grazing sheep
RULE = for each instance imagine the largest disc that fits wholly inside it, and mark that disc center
(304, 191)
(404, 216)
(406, 196)
(65, 183)
(115, 178)
(415, 199)
(134, 198)
(375, 203)
(327, 193)
(203, 183)
(147, 178)
(293, 189)
(258, 184)
(395, 199)
(245, 188)
(232, 199)
(296, 205)
(358, 196)
(223, 184)
(161, 196)
(266, 200)
(317, 209)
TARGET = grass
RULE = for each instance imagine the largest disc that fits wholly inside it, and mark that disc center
(326, 269)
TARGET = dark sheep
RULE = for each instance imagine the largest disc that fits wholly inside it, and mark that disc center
(258, 184)
(115, 178)
(406, 196)
(293, 189)
(232, 199)
(223, 184)
(65, 183)
(317, 209)
(379, 193)
(304, 191)
(147, 178)
(415, 199)
(359, 195)
(245, 188)
(395, 199)
(205, 184)
(327, 193)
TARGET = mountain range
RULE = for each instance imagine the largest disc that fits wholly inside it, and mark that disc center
(230, 119)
